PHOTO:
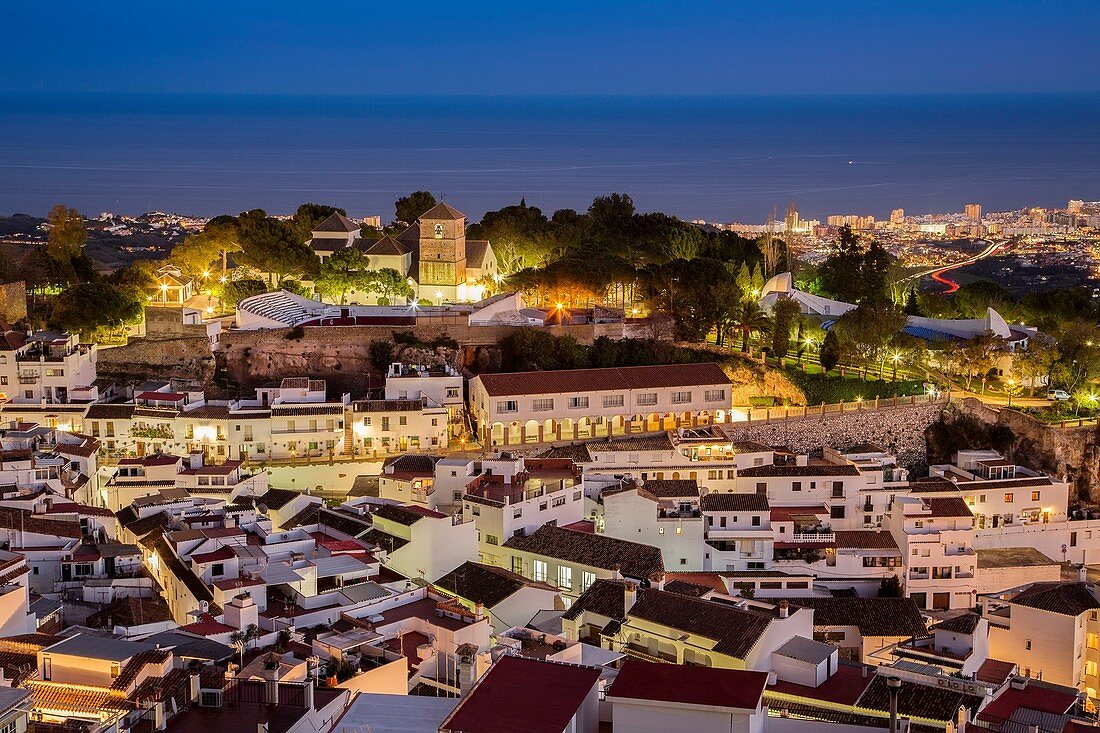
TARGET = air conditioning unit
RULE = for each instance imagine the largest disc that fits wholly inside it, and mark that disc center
(210, 698)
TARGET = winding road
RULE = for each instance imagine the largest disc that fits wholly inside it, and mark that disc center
(937, 274)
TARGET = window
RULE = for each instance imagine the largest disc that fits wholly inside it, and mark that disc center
(1035, 496)
(1008, 497)
(217, 569)
(649, 398)
(517, 565)
(558, 501)
(660, 530)
(836, 512)
(587, 579)
(714, 395)
(453, 391)
(577, 403)
(538, 570)
(756, 520)
(116, 669)
(615, 400)
(679, 530)
(1027, 645)
(507, 406)
(565, 577)
(517, 513)
(491, 540)
(402, 420)
(680, 398)
(981, 498)
(796, 486)
(542, 405)
(761, 487)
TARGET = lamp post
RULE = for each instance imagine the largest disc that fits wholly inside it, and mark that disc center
(895, 358)
(893, 685)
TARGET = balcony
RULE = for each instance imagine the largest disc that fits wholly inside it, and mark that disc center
(678, 514)
(29, 378)
(818, 536)
(633, 650)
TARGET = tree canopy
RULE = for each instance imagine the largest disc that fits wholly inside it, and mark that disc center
(308, 216)
(408, 209)
(272, 246)
(67, 234)
(89, 306)
(345, 270)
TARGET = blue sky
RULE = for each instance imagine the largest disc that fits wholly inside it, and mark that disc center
(555, 47)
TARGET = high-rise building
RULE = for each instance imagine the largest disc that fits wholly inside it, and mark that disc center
(973, 212)
(855, 221)
(1075, 206)
(897, 216)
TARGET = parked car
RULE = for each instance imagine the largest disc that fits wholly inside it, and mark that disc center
(1058, 395)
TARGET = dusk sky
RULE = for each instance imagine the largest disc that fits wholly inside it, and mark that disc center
(636, 47)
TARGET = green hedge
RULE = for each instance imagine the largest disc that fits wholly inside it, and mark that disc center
(819, 388)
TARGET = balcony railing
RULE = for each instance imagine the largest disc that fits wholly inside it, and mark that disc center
(813, 537)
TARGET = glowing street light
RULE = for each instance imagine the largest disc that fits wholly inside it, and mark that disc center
(895, 358)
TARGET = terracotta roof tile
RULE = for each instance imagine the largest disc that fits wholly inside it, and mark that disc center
(633, 559)
(598, 380)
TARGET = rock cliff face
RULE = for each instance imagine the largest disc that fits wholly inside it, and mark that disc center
(1071, 454)
(898, 430)
(142, 359)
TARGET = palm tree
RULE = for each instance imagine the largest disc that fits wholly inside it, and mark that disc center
(747, 320)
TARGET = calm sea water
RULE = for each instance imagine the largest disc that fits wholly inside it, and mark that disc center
(714, 158)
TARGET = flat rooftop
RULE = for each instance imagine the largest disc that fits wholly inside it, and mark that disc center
(1013, 557)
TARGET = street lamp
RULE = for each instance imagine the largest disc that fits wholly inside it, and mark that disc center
(896, 358)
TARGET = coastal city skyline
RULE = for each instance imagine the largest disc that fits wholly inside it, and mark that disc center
(615, 367)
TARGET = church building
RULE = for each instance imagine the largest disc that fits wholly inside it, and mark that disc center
(434, 254)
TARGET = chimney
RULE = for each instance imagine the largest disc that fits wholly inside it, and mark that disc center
(1082, 574)
(630, 594)
(657, 580)
(309, 692)
(784, 609)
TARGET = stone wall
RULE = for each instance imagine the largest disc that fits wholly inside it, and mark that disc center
(13, 302)
(1072, 454)
(142, 359)
(898, 430)
(341, 354)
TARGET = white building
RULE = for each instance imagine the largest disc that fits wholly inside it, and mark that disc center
(46, 368)
(534, 407)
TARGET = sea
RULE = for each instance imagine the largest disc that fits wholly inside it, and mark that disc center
(712, 158)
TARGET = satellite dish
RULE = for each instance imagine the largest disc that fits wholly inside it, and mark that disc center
(262, 508)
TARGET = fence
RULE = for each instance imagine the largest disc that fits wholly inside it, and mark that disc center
(775, 414)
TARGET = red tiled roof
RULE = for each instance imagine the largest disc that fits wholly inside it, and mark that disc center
(709, 686)
(711, 580)
(158, 459)
(610, 379)
(995, 671)
(844, 687)
(161, 396)
(218, 555)
(868, 539)
(508, 686)
(787, 513)
(952, 506)
(207, 627)
(1047, 699)
(584, 525)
